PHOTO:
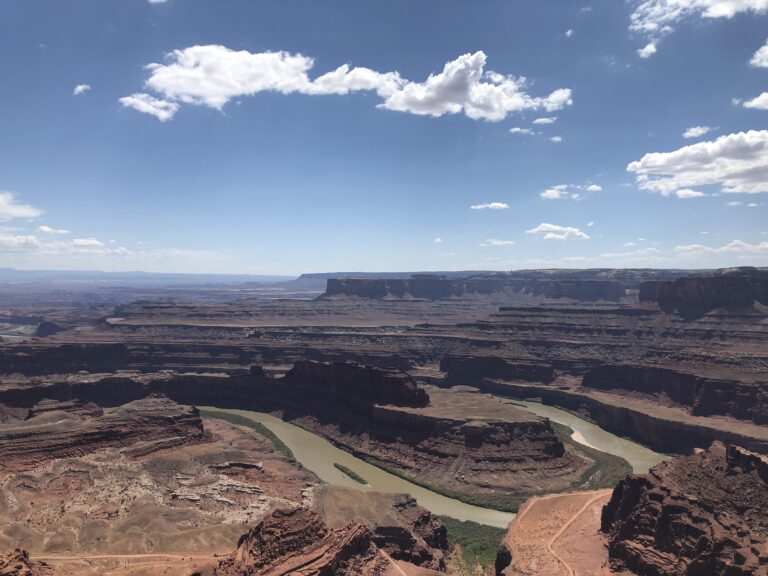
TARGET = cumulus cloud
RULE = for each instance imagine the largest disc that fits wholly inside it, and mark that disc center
(696, 131)
(518, 130)
(655, 19)
(497, 242)
(545, 120)
(758, 102)
(163, 110)
(81, 89)
(738, 163)
(760, 58)
(11, 209)
(647, 51)
(569, 33)
(555, 232)
(48, 230)
(490, 206)
(594, 188)
(212, 75)
(438, 240)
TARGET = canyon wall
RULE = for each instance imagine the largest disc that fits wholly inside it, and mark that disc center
(704, 396)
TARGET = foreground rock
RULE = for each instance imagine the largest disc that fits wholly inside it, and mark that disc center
(700, 514)
(399, 526)
(17, 563)
(298, 541)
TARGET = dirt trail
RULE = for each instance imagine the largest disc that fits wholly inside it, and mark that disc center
(565, 526)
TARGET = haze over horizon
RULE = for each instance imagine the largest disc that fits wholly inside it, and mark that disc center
(294, 137)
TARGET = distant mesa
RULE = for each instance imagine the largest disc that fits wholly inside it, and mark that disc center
(47, 328)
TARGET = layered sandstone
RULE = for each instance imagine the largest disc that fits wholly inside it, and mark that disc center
(298, 541)
(17, 563)
(399, 526)
(705, 396)
(68, 430)
(701, 514)
(735, 290)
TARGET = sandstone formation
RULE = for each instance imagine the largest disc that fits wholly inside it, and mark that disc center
(17, 563)
(47, 328)
(69, 429)
(735, 290)
(434, 287)
(701, 514)
(704, 396)
(298, 541)
(399, 526)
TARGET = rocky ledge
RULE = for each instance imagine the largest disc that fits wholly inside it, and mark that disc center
(298, 541)
(701, 514)
(17, 563)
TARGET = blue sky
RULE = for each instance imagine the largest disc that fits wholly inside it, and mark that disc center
(246, 148)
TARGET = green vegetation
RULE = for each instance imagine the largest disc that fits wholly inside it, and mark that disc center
(257, 427)
(349, 472)
(478, 542)
(607, 469)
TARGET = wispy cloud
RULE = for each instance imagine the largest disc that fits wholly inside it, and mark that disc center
(490, 206)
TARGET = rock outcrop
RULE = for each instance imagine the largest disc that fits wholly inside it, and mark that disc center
(299, 542)
(701, 514)
(399, 526)
(17, 563)
(70, 430)
(47, 328)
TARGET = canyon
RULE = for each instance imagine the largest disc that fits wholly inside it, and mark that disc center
(417, 374)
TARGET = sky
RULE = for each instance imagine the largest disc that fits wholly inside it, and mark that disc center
(292, 136)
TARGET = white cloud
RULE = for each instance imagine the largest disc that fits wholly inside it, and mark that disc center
(157, 1)
(696, 131)
(758, 102)
(161, 109)
(10, 209)
(212, 75)
(556, 138)
(546, 120)
(438, 240)
(733, 247)
(87, 243)
(687, 193)
(655, 19)
(490, 206)
(81, 89)
(18, 242)
(555, 232)
(629, 244)
(562, 191)
(518, 130)
(734, 203)
(569, 33)
(497, 242)
(760, 58)
(48, 230)
(737, 162)
(753, 205)
(590, 224)
(647, 51)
